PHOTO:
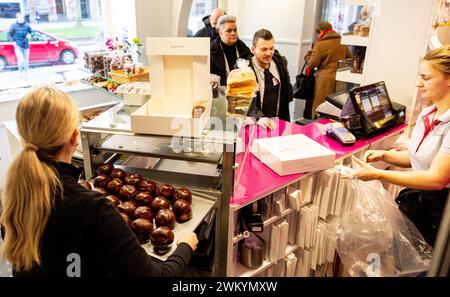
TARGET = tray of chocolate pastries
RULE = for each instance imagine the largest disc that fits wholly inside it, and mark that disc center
(158, 214)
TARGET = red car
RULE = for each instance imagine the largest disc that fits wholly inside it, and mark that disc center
(44, 49)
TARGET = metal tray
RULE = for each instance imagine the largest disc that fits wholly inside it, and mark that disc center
(200, 208)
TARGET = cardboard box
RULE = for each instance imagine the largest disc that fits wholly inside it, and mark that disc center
(159, 123)
(180, 80)
(135, 99)
(293, 154)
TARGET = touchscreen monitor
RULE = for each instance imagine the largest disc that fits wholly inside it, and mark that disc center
(373, 104)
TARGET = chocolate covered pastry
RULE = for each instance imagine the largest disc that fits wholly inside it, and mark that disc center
(148, 186)
(119, 173)
(105, 168)
(142, 228)
(184, 194)
(143, 212)
(101, 180)
(162, 239)
(182, 211)
(144, 198)
(127, 208)
(166, 191)
(100, 190)
(114, 186)
(133, 179)
(159, 203)
(113, 199)
(127, 193)
(165, 217)
(125, 218)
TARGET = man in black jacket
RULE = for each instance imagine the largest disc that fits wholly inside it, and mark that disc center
(273, 78)
(18, 33)
(227, 48)
(210, 21)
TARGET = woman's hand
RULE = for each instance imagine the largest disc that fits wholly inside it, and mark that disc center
(190, 239)
(366, 172)
(267, 123)
(373, 156)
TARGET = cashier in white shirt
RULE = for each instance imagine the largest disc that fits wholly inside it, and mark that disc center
(428, 153)
(275, 89)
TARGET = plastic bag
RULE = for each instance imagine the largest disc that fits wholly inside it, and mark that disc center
(376, 239)
(241, 81)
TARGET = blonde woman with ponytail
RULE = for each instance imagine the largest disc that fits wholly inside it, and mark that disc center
(53, 226)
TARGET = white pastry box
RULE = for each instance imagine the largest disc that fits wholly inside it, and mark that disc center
(293, 154)
(180, 81)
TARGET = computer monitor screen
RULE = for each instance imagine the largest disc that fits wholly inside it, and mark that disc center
(372, 102)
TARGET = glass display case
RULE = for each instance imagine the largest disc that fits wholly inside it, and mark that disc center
(205, 164)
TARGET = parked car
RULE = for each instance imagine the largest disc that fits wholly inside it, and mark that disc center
(44, 49)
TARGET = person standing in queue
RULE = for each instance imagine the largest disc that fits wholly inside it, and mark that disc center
(227, 48)
(210, 29)
(275, 89)
(326, 53)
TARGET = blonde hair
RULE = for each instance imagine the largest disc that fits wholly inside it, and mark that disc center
(439, 59)
(46, 119)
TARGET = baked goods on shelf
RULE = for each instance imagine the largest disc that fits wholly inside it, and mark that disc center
(143, 204)
(241, 83)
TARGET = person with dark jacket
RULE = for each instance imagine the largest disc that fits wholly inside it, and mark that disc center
(210, 21)
(227, 48)
(52, 225)
(325, 55)
(18, 33)
(275, 89)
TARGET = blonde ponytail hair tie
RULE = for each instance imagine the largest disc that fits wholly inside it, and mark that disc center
(31, 146)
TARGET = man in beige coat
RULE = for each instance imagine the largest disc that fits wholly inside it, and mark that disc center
(325, 56)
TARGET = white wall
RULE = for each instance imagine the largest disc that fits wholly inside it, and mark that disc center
(398, 39)
(311, 17)
(119, 14)
(283, 18)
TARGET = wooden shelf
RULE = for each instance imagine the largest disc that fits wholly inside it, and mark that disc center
(347, 76)
(352, 39)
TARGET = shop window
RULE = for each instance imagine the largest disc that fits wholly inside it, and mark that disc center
(9, 10)
(200, 9)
